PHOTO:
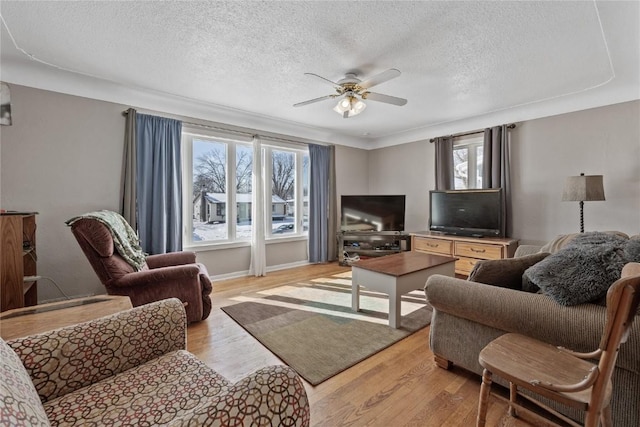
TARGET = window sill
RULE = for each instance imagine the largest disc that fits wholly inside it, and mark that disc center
(205, 247)
(273, 239)
(216, 246)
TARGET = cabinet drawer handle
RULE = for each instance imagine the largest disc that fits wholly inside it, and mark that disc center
(478, 251)
(432, 245)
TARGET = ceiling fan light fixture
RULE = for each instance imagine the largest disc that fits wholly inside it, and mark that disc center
(343, 105)
(353, 91)
(349, 106)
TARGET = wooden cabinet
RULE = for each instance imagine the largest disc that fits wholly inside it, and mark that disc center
(468, 250)
(18, 260)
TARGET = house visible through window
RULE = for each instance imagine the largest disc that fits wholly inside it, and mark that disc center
(467, 163)
(218, 180)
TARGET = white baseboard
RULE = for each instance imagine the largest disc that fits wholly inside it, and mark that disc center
(245, 273)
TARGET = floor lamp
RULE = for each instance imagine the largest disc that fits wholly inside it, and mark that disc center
(583, 188)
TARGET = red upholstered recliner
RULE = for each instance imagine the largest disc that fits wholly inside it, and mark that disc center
(171, 275)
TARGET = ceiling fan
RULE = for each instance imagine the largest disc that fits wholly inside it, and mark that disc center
(353, 91)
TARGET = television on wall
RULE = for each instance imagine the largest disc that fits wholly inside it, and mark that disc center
(372, 213)
(476, 213)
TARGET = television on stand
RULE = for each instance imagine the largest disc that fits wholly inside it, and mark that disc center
(473, 213)
(372, 213)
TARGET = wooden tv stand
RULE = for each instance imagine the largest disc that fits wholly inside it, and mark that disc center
(468, 250)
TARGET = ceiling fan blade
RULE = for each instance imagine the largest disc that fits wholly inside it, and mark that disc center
(322, 78)
(311, 101)
(384, 98)
(379, 78)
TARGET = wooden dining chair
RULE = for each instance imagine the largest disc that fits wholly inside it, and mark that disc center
(560, 374)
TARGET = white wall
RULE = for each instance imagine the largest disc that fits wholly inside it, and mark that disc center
(600, 141)
(63, 157)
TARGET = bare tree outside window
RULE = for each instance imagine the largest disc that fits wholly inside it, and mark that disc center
(461, 167)
(210, 170)
(244, 168)
(284, 167)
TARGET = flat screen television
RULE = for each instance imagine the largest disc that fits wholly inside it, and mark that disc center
(476, 213)
(372, 213)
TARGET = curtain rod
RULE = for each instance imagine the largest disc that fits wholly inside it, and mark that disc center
(239, 132)
(458, 135)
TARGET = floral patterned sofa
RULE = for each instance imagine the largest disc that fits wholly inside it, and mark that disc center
(131, 368)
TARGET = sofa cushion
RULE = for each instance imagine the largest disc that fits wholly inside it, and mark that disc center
(584, 269)
(19, 401)
(157, 392)
(506, 273)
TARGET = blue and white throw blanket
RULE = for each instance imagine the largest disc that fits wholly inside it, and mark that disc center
(124, 238)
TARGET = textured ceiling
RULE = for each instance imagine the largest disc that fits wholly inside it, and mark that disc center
(244, 62)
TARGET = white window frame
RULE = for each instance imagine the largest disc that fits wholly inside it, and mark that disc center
(299, 154)
(188, 135)
(471, 144)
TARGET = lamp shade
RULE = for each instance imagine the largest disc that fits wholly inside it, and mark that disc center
(583, 188)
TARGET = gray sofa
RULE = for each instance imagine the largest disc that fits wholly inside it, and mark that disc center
(467, 315)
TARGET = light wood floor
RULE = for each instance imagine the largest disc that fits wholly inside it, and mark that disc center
(400, 386)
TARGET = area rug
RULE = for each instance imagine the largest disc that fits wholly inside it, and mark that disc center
(312, 328)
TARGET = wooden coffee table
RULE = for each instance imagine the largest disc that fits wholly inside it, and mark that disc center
(396, 275)
(35, 319)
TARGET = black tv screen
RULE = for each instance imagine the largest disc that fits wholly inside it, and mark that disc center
(372, 213)
(466, 212)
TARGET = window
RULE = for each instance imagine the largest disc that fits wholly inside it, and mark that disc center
(467, 163)
(289, 173)
(218, 193)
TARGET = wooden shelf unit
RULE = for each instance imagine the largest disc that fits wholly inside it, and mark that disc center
(18, 259)
(372, 243)
(468, 250)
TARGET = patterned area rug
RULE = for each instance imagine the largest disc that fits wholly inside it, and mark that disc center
(311, 327)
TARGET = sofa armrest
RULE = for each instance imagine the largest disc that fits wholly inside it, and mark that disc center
(67, 359)
(274, 393)
(171, 258)
(506, 273)
(524, 250)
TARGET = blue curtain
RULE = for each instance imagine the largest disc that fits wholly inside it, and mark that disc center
(322, 204)
(159, 184)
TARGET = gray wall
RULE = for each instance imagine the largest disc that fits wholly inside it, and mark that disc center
(63, 156)
(405, 169)
(600, 141)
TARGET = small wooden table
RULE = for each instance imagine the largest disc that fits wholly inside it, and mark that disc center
(396, 275)
(21, 322)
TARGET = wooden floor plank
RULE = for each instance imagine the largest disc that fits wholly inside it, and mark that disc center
(399, 386)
